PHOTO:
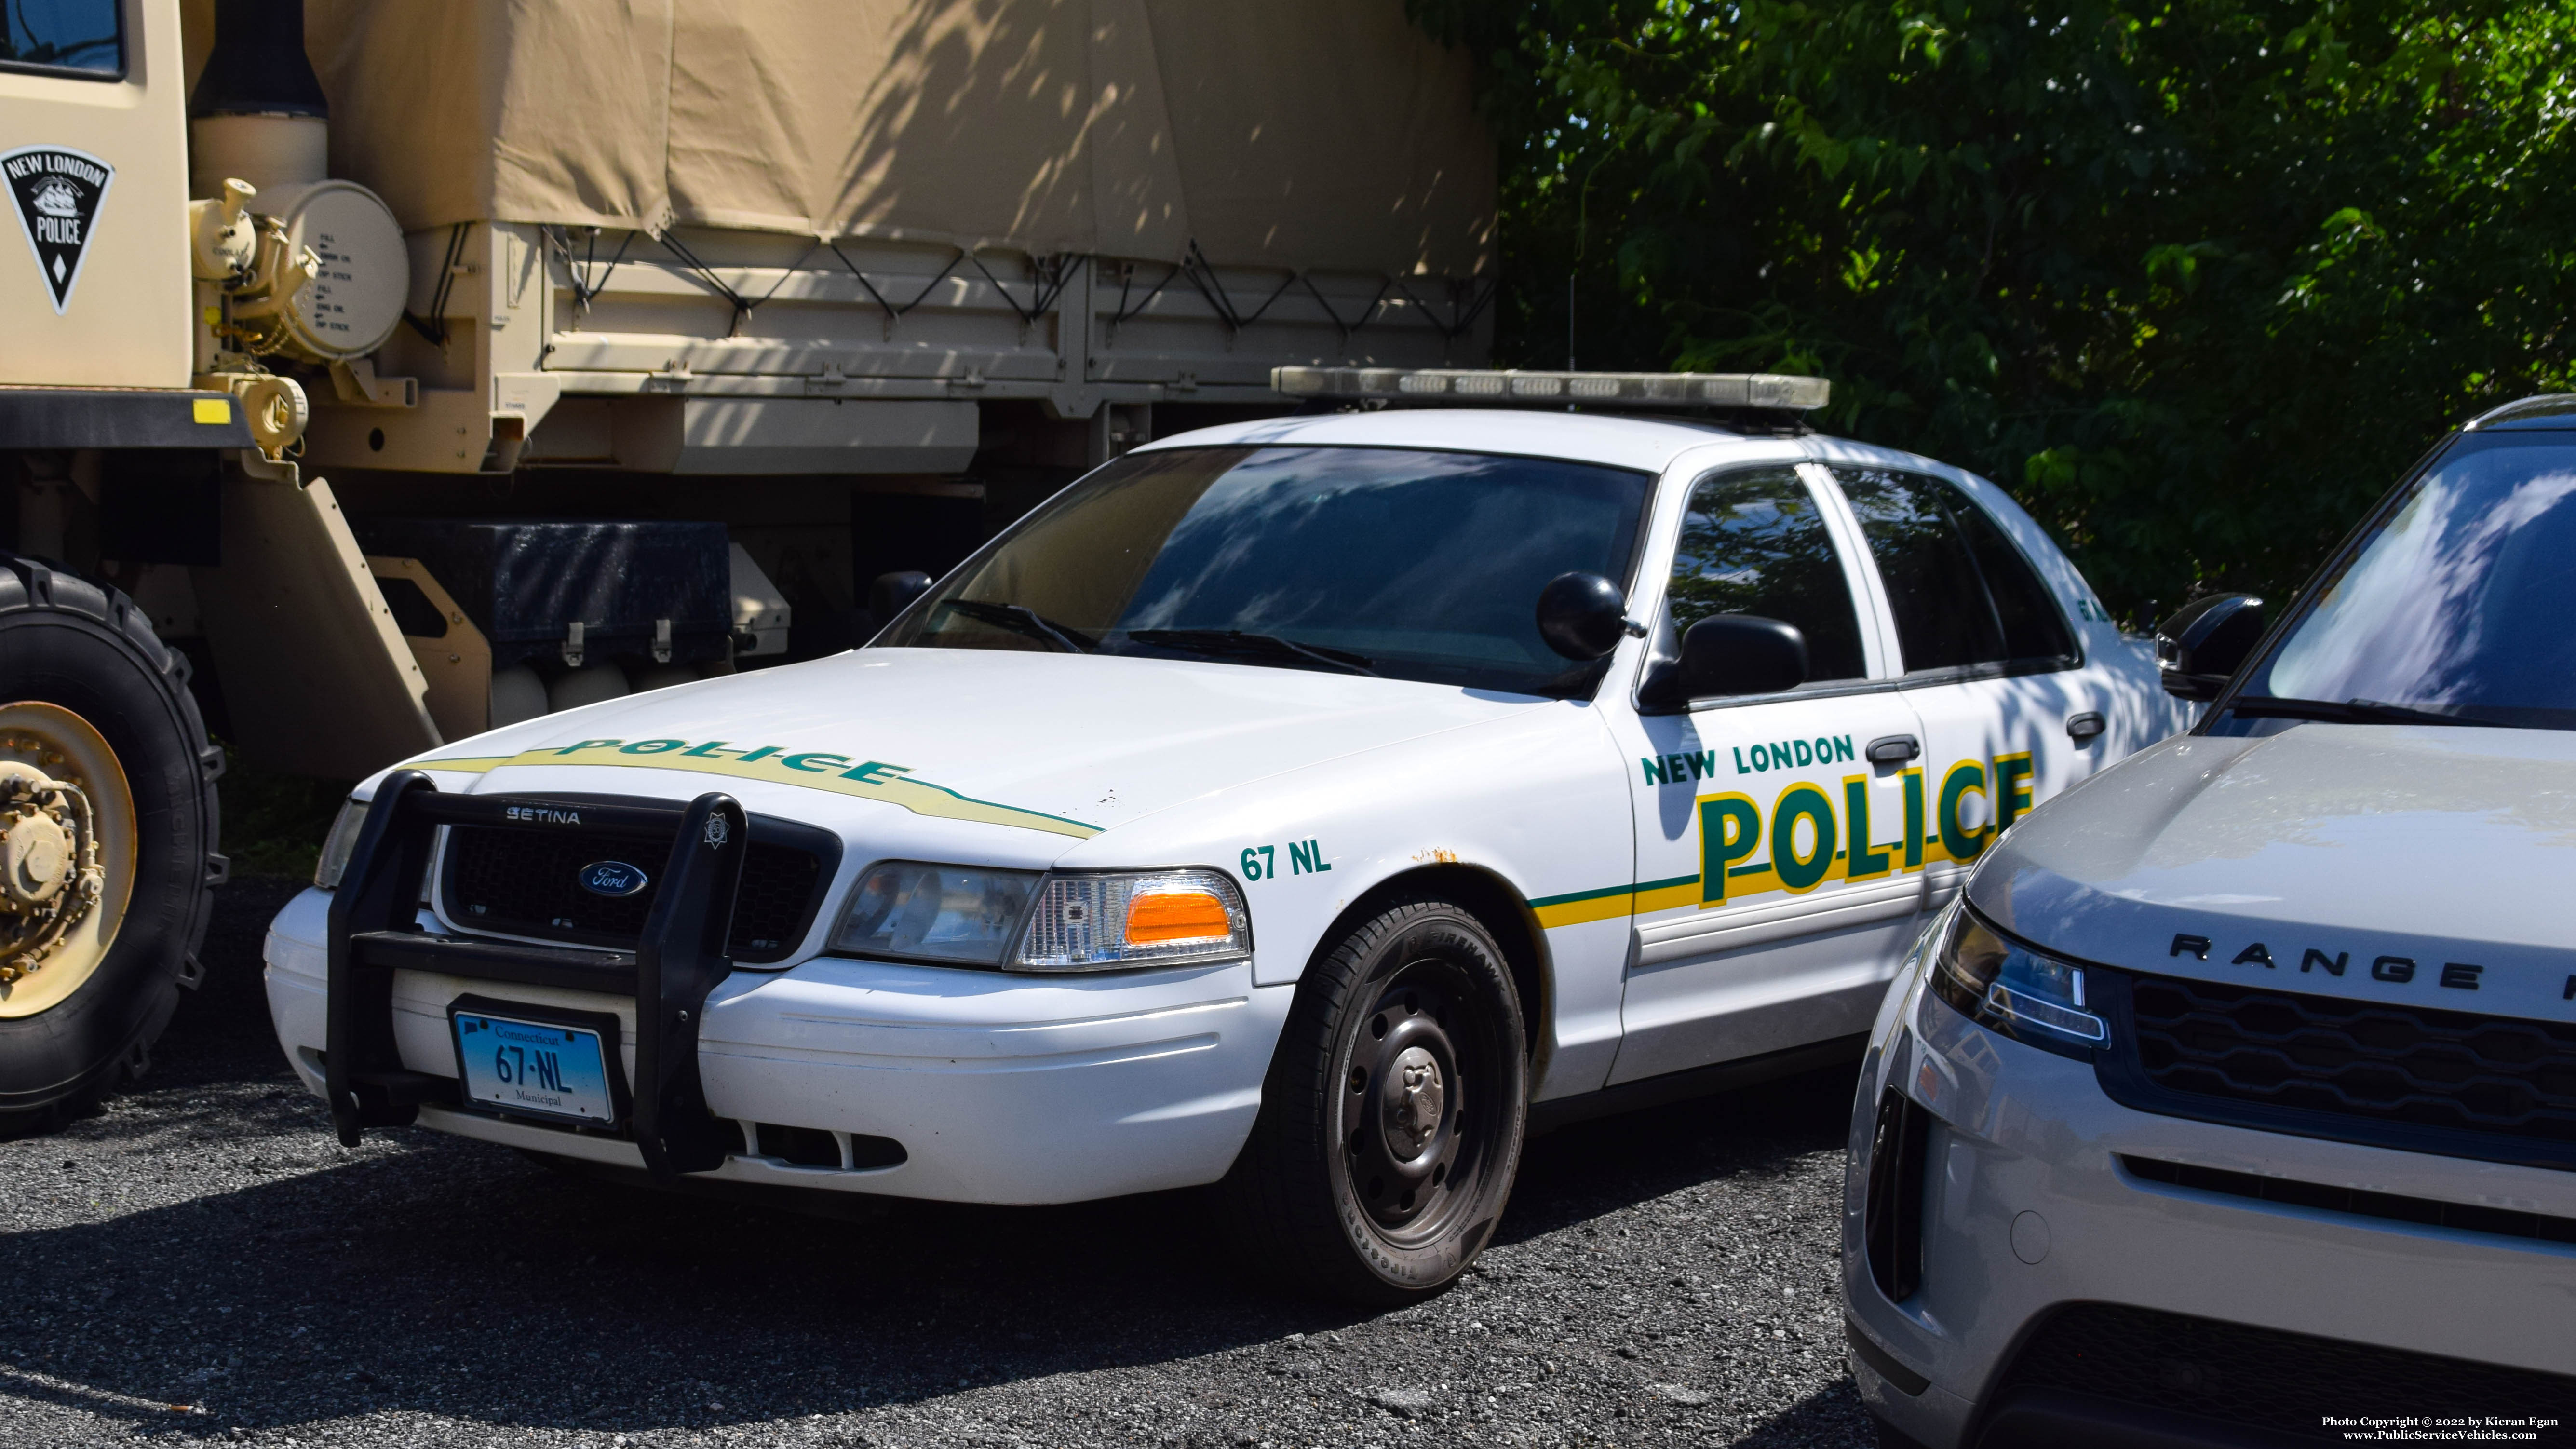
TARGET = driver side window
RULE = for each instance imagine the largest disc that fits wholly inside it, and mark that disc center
(1754, 542)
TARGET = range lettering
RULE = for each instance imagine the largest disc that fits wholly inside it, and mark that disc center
(2396, 970)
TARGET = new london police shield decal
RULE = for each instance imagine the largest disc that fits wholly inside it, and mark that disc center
(58, 192)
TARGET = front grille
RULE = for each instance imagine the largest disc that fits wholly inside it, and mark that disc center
(524, 883)
(2454, 1083)
(2261, 1378)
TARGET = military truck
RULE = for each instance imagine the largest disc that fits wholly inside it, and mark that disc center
(636, 342)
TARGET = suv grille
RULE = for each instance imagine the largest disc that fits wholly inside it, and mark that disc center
(2449, 1082)
(2263, 1378)
(522, 883)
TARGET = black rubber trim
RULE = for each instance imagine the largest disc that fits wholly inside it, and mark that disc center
(89, 417)
(2357, 1202)
(1883, 1363)
(1696, 1082)
(2038, 1418)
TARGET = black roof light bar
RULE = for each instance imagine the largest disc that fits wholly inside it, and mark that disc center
(1469, 387)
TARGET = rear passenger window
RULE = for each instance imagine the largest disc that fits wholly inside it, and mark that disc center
(1754, 542)
(2034, 627)
(1962, 594)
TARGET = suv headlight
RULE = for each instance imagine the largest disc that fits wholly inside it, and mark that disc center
(337, 845)
(2005, 986)
(1019, 920)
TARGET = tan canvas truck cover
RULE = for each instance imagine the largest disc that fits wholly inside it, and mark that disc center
(1305, 134)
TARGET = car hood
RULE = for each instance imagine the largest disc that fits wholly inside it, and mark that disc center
(1008, 746)
(2329, 858)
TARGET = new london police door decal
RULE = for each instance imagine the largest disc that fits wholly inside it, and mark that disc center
(57, 192)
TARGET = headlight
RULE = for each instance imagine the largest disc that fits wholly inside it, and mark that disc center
(337, 845)
(2005, 986)
(954, 913)
(970, 916)
(1164, 917)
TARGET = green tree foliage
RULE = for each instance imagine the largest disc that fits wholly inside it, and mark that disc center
(2197, 280)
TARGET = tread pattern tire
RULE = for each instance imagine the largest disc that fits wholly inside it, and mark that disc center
(1284, 1207)
(74, 643)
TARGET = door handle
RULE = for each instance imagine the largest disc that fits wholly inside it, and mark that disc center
(1893, 749)
(2084, 727)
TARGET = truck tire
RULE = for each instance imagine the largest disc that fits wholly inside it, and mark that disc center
(1392, 1118)
(105, 886)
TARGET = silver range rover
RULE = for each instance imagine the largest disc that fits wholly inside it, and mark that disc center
(2235, 1100)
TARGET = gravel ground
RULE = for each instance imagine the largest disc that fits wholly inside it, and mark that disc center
(203, 1261)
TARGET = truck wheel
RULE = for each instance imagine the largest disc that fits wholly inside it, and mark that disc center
(107, 832)
(1391, 1121)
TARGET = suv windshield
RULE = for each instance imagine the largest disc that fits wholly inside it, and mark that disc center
(1393, 562)
(2456, 604)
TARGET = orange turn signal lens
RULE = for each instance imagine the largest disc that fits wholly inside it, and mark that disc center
(1164, 917)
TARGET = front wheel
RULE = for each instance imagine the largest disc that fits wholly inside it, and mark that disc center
(1391, 1122)
(107, 834)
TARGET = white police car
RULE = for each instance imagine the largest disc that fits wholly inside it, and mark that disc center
(2236, 1102)
(1301, 803)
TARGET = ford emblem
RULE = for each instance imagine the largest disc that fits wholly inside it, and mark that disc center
(612, 878)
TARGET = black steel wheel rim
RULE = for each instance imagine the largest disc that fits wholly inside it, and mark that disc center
(1414, 1104)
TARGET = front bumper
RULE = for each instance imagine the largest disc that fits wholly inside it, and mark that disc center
(2027, 1208)
(1001, 1089)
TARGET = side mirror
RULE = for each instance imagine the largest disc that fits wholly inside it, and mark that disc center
(1729, 654)
(1742, 654)
(1583, 616)
(891, 593)
(2206, 642)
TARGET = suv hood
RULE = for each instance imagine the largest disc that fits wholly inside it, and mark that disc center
(2405, 862)
(1049, 747)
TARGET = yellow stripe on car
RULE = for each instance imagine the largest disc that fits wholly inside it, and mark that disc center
(824, 770)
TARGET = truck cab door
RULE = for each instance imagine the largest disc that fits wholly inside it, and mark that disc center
(1771, 899)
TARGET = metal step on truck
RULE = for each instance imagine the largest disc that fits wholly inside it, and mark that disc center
(635, 344)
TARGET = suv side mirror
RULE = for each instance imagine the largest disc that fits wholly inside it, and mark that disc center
(2206, 642)
(1729, 654)
(1583, 616)
(891, 593)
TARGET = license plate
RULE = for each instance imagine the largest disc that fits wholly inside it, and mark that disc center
(530, 1066)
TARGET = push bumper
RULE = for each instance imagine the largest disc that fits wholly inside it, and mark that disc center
(955, 1085)
(2033, 1200)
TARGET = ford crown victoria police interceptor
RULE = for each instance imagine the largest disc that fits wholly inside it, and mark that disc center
(2236, 1102)
(1294, 803)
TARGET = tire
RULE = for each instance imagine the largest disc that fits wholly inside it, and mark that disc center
(83, 677)
(1393, 1114)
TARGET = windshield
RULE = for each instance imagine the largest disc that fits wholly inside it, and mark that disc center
(2457, 604)
(1404, 564)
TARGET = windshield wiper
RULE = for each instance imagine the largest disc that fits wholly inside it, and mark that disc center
(1268, 646)
(1021, 619)
(2351, 711)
